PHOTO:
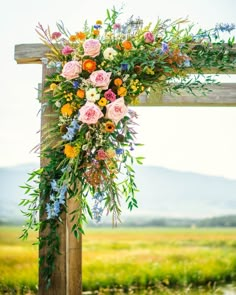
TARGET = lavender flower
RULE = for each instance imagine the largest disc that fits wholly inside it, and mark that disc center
(164, 47)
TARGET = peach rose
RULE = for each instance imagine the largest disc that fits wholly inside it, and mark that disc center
(100, 79)
(90, 113)
(92, 47)
(72, 69)
(116, 110)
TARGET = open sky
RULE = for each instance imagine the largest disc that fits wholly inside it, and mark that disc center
(195, 139)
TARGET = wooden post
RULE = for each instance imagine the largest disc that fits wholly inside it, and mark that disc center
(67, 276)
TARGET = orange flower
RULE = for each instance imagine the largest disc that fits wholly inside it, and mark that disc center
(96, 32)
(80, 93)
(127, 45)
(109, 126)
(122, 91)
(118, 82)
(89, 65)
(80, 36)
(72, 38)
(67, 109)
(71, 151)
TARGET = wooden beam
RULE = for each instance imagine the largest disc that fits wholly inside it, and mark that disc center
(222, 95)
(30, 53)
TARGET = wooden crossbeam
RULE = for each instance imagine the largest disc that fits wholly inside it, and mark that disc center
(223, 95)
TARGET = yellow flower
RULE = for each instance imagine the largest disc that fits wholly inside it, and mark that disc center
(67, 110)
(71, 151)
(110, 153)
(102, 102)
(53, 86)
(150, 71)
(98, 22)
(134, 88)
(122, 91)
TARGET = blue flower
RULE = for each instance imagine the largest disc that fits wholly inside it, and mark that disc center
(99, 197)
(75, 84)
(97, 27)
(48, 211)
(124, 67)
(164, 47)
(71, 130)
(225, 27)
(119, 151)
(56, 208)
(54, 185)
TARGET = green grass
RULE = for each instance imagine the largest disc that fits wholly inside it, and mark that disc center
(166, 259)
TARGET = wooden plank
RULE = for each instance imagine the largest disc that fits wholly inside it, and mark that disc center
(74, 254)
(67, 276)
(222, 95)
(32, 54)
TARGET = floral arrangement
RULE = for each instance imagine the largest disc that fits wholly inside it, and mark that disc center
(96, 74)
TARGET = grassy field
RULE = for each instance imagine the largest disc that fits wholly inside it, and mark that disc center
(173, 261)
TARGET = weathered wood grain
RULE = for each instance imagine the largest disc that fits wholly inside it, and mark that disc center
(223, 94)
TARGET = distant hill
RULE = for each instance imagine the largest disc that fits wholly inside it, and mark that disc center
(164, 193)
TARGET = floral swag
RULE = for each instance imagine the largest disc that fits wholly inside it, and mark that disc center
(96, 74)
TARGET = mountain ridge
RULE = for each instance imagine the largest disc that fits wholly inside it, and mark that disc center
(163, 193)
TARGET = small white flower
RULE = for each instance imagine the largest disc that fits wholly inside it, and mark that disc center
(92, 95)
(58, 104)
(109, 53)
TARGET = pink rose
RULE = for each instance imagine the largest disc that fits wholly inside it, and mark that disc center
(148, 37)
(71, 69)
(67, 50)
(110, 95)
(116, 110)
(100, 79)
(92, 47)
(90, 113)
(101, 155)
(56, 35)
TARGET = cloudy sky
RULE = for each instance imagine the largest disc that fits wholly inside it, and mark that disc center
(194, 139)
